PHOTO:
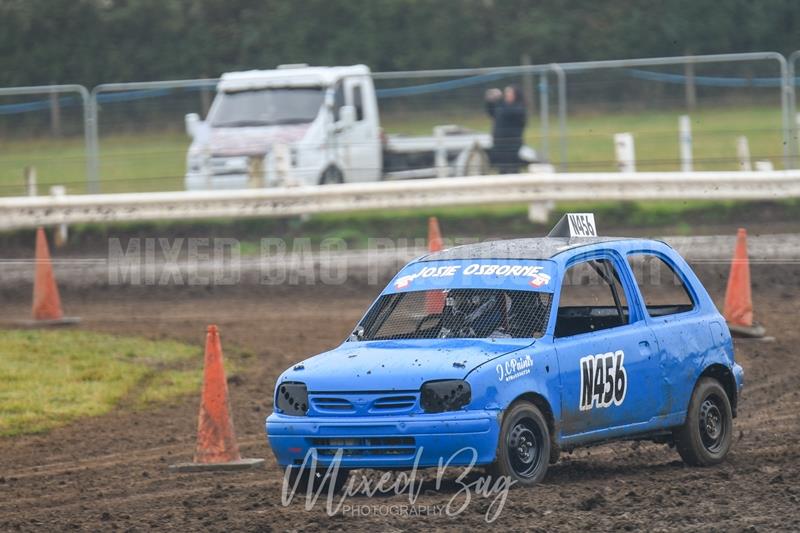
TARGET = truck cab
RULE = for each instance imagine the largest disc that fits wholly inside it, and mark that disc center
(295, 125)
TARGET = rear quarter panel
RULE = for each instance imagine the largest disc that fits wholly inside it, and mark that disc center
(688, 342)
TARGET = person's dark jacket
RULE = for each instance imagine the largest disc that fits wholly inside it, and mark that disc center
(509, 124)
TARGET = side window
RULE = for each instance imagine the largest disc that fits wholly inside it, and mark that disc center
(358, 102)
(592, 299)
(663, 290)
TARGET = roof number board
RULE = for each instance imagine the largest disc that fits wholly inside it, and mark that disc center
(575, 225)
(581, 225)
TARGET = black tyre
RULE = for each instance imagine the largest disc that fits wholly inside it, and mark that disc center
(331, 175)
(705, 438)
(523, 448)
(320, 481)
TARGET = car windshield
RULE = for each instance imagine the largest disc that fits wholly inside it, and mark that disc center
(267, 107)
(457, 313)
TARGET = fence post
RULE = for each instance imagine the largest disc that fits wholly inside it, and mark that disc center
(61, 234)
(685, 140)
(690, 88)
(791, 73)
(625, 152)
(787, 93)
(561, 76)
(743, 153)
(55, 114)
(544, 116)
(527, 84)
(30, 181)
(90, 133)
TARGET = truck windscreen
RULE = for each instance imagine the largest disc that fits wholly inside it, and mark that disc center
(267, 107)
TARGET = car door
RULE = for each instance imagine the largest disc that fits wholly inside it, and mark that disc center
(610, 378)
(361, 139)
(682, 332)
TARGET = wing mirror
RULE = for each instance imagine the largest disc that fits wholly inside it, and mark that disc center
(193, 124)
(347, 116)
(357, 334)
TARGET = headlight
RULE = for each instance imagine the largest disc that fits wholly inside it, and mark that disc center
(292, 398)
(448, 395)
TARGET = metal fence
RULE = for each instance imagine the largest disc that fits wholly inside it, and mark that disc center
(133, 137)
(14, 159)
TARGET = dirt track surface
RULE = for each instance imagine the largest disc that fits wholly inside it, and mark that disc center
(111, 472)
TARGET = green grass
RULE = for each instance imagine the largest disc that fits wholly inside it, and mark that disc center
(590, 136)
(128, 163)
(156, 161)
(50, 378)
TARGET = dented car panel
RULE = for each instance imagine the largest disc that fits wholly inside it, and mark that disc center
(593, 379)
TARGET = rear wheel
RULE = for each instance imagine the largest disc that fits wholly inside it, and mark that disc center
(472, 162)
(523, 450)
(706, 435)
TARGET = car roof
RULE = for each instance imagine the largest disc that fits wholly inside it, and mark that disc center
(530, 248)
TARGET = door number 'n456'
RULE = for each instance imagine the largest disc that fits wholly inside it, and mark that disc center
(603, 380)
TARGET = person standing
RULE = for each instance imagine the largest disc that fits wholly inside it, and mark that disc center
(507, 110)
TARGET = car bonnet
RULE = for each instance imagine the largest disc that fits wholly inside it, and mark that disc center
(397, 365)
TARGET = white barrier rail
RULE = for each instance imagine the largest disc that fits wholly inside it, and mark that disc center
(26, 212)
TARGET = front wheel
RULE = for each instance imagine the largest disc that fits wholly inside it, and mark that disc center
(706, 435)
(331, 176)
(523, 450)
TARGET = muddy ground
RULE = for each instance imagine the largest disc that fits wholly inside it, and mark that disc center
(111, 472)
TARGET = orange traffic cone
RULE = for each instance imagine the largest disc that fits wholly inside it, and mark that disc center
(216, 440)
(434, 235)
(434, 300)
(738, 310)
(46, 300)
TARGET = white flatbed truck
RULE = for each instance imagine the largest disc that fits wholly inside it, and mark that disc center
(300, 125)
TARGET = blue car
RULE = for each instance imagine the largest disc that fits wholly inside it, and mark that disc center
(505, 353)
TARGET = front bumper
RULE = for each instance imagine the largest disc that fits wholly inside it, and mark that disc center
(199, 181)
(387, 441)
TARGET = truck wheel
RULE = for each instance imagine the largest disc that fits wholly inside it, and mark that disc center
(331, 175)
(705, 437)
(472, 162)
(523, 449)
(319, 482)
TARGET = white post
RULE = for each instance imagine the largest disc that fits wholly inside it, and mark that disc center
(685, 140)
(61, 235)
(539, 212)
(743, 153)
(30, 181)
(625, 152)
(440, 157)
